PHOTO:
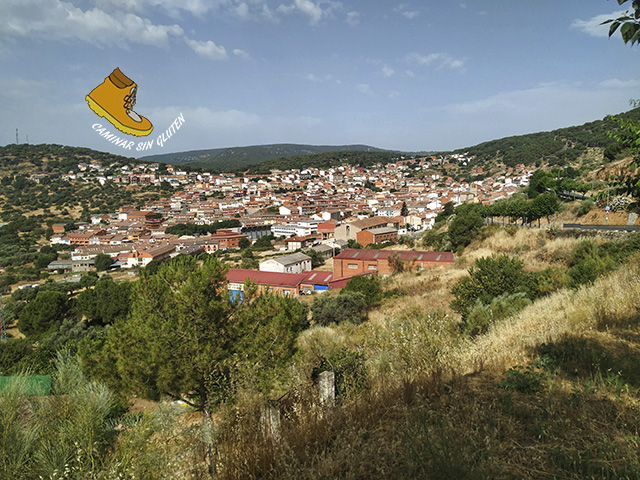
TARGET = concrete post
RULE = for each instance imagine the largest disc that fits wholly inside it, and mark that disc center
(327, 389)
(270, 420)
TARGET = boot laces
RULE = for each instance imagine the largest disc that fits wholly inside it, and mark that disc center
(130, 100)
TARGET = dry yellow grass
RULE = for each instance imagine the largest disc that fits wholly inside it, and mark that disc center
(435, 406)
(608, 301)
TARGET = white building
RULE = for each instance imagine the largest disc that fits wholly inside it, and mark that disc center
(294, 263)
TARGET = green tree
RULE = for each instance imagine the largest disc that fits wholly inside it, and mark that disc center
(629, 23)
(540, 182)
(244, 243)
(490, 277)
(404, 210)
(465, 226)
(44, 311)
(346, 307)
(185, 339)
(447, 211)
(107, 302)
(103, 262)
(316, 257)
(368, 285)
(263, 243)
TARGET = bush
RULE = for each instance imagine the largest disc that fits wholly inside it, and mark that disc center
(47, 309)
(349, 370)
(589, 260)
(585, 207)
(464, 227)
(491, 277)
(346, 307)
(368, 285)
(480, 317)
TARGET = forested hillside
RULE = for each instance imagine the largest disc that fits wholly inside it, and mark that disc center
(325, 160)
(239, 158)
(556, 148)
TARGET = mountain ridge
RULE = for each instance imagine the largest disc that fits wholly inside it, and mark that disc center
(235, 158)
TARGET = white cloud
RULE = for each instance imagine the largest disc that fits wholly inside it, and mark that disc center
(619, 84)
(242, 10)
(353, 18)
(387, 71)
(243, 54)
(311, 77)
(207, 49)
(316, 11)
(20, 88)
(394, 94)
(55, 19)
(403, 9)
(365, 89)
(594, 26)
(438, 61)
(60, 20)
(172, 7)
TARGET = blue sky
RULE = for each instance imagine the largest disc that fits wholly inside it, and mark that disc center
(410, 76)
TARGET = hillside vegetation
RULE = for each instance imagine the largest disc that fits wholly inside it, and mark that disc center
(239, 158)
(555, 148)
(536, 377)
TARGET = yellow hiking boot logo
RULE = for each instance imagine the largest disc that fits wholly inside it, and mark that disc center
(114, 99)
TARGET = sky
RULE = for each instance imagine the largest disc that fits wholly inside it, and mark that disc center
(408, 76)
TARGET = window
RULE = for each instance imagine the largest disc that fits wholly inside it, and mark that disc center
(372, 267)
(353, 266)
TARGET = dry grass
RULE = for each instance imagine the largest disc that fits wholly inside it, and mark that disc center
(611, 300)
(438, 404)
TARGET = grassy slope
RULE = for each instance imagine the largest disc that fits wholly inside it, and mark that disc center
(435, 408)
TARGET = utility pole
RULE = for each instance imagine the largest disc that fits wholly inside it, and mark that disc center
(17, 141)
(3, 327)
(608, 207)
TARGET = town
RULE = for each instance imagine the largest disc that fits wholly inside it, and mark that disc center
(325, 210)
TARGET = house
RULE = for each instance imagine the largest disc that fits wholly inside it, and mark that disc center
(71, 265)
(277, 283)
(142, 258)
(357, 261)
(293, 263)
(298, 243)
(377, 236)
(325, 250)
(327, 229)
(227, 239)
(349, 231)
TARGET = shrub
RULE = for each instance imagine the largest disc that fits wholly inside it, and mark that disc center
(585, 207)
(368, 285)
(349, 370)
(348, 306)
(490, 277)
(480, 317)
(465, 227)
(523, 379)
(47, 309)
(589, 260)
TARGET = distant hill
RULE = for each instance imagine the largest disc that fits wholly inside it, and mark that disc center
(46, 158)
(239, 158)
(557, 147)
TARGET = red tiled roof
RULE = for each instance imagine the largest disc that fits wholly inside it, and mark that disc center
(407, 256)
(318, 277)
(279, 279)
